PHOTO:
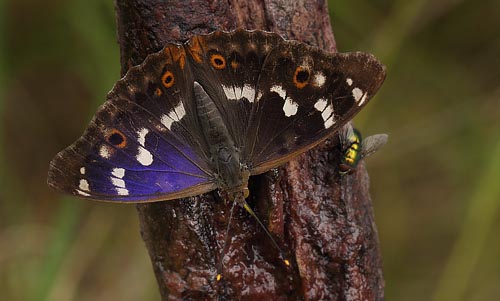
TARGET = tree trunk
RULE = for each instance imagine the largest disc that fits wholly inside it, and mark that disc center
(323, 221)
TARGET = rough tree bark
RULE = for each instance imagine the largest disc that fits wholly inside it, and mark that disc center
(323, 221)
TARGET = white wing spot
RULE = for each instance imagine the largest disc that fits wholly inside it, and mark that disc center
(118, 172)
(357, 94)
(84, 185)
(279, 90)
(122, 191)
(319, 79)
(349, 81)
(238, 93)
(290, 107)
(229, 91)
(326, 112)
(320, 105)
(82, 170)
(141, 136)
(363, 99)
(328, 117)
(117, 180)
(144, 156)
(175, 115)
(248, 92)
(105, 151)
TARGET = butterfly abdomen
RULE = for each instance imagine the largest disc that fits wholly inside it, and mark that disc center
(225, 156)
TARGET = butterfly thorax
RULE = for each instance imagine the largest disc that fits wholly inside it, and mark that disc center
(231, 175)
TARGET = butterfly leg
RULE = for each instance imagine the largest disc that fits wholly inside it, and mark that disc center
(226, 243)
(241, 200)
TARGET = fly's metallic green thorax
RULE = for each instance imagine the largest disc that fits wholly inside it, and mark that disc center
(351, 151)
(354, 148)
(231, 172)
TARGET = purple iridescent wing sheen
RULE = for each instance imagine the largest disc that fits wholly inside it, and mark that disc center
(144, 143)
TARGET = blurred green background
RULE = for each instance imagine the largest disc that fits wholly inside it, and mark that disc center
(435, 186)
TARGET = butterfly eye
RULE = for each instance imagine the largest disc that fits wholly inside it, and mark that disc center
(116, 138)
(167, 79)
(218, 61)
(301, 77)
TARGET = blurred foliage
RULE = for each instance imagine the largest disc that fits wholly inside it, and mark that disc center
(434, 186)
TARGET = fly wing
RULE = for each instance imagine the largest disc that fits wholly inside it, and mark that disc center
(373, 143)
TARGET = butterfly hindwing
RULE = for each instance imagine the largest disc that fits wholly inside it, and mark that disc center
(303, 96)
(144, 143)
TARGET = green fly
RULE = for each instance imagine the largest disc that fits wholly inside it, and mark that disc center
(354, 147)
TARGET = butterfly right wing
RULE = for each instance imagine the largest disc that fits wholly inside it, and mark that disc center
(304, 95)
(144, 143)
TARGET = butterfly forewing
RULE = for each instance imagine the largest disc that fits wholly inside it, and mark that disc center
(144, 143)
(303, 96)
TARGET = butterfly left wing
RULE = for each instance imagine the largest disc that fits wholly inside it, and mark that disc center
(144, 143)
(304, 95)
(121, 158)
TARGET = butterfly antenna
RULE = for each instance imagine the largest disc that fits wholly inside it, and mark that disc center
(245, 205)
(226, 243)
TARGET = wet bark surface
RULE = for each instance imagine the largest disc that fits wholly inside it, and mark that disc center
(323, 221)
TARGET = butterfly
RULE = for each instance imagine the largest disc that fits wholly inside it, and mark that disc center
(354, 148)
(210, 113)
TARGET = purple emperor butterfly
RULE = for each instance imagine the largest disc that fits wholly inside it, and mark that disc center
(211, 112)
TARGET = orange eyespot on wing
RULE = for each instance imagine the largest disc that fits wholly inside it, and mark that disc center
(117, 138)
(158, 92)
(234, 64)
(218, 61)
(167, 79)
(301, 77)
